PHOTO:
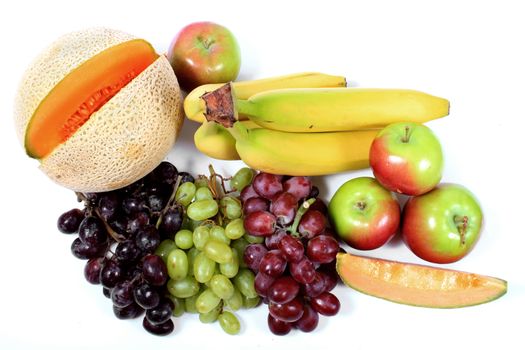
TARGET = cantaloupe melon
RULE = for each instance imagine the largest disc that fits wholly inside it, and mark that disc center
(417, 285)
(99, 109)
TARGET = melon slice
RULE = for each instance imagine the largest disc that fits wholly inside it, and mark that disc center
(82, 92)
(417, 285)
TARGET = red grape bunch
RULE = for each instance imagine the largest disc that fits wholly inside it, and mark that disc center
(295, 263)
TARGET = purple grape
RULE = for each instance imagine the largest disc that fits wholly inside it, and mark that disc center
(292, 248)
(273, 263)
(303, 271)
(69, 221)
(283, 290)
(253, 254)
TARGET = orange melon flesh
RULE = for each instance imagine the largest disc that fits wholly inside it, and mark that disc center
(82, 92)
(417, 285)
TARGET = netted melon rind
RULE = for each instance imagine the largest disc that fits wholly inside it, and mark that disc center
(124, 140)
(54, 63)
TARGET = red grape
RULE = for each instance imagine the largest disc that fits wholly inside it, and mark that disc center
(303, 271)
(309, 321)
(267, 185)
(259, 223)
(326, 304)
(254, 204)
(284, 207)
(272, 241)
(262, 283)
(292, 248)
(322, 249)
(316, 287)
(247, 193)
(288, 312)
(299, 186)
(277, 326)
(253, 255)
(273, 263)
(320, 206)
(312, 223)
(283, 290)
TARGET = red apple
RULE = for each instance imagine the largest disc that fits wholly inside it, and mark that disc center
(364, 214)
(407, 158)
(204, 53)
(443, 225)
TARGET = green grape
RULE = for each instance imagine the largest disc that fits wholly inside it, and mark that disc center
(183, 288)
(185, 193)
(253, 239)
(192, 254)
(190, 304)
(207, 301)
(244, 282)
(218, 251)
(184, 239)
(201, 235)
(178, 303)
(234, 229)
(229, 323)
(177, 264)
(203, 193)
(210, 317)
(240, 245)
(203, 268)
(202, 210)
(230, 269)
(241, 179)
(250, 303)
(201, 181)
(218, 234)
(164, 248)
(221, 286)
(235, 302)
(231, 207)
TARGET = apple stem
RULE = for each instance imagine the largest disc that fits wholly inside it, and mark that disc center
(463, 228)
(406, 137)
(300, 212)
(361, 205)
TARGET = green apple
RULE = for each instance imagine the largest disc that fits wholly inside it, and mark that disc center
(407, 158)
(364, 214)
(443, 225)
(204, 53)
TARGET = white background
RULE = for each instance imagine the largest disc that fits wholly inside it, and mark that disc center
(470, 52)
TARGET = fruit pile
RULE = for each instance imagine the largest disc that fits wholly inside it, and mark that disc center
(162, 243)
(295, 265)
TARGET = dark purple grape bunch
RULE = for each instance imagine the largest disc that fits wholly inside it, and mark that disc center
(118, 233)
(295, 266)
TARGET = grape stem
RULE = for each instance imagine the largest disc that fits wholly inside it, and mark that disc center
(300, 212)
(170, 201)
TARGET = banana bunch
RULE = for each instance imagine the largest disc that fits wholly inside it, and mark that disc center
(302, 124)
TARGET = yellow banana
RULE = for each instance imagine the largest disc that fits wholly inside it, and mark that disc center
(194, 106)
(215, 141)
(307, 154)
(321, 109)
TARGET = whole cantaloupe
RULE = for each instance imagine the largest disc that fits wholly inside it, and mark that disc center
(99, 109)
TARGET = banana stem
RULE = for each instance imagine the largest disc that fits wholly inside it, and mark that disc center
(220, 106)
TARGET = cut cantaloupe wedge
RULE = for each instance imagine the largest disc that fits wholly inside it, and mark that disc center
(417, 285)
(84, 91)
